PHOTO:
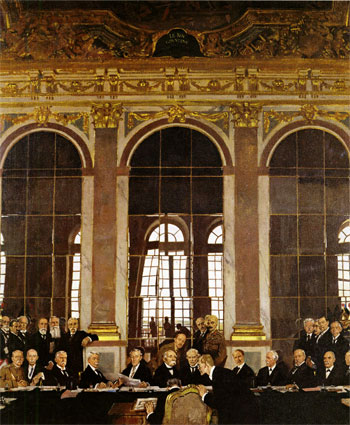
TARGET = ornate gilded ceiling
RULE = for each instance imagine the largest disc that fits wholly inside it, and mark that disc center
(51, 31)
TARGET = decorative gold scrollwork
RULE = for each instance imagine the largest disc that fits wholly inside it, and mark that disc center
(177, 113)
(107, 115)
(245, 114)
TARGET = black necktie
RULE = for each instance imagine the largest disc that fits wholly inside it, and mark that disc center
(270, 371)
(308, 338)
(193, 369)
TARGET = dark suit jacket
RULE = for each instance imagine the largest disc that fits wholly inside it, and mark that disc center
(25, 340)
(4, 344)
(56, 377)
(278, 376)
(15, 343)
(198, 339)
(72, 346)
(303, 376)
(188, 377)
(232, 399)
(143, 372)
(303, 344)
(157, 416)
(246, 374)
(162, 374)
(336, 377)
(38, 368)
(322, 344)
(340, 348)
(41, 345)
(89, 377)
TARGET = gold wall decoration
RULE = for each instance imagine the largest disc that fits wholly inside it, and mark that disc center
(245, 114)
(177, 113)
(308, 112)
(106, 115)
(43, 114)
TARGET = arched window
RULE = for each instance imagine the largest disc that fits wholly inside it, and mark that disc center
(75, 291)
(166, 286)
(344, 266)
(2, 270)
(215, 273)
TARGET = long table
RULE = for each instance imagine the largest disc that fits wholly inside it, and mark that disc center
(47, 407)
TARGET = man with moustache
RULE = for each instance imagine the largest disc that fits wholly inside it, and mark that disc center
(307, 338)
(92, 376)
(23, 331)
(179, 346)
(339, 344)
(73, 343)
(4, 337)
(14, 342)
(40, 341)
(214, 342)
(273, 373)
(331, 373)
(323, 340)
(59, 374)
(301, 374)
(12, 376)
(167, 370)
(56, 334)
(200, 334)
(189, 373)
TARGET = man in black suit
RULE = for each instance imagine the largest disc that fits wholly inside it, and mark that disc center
(4, 337)
(331, 373)
(232, 399)
(92, 377)
(33, 371)
(346, 369)
(323, 340)
(137, 368)
(339, 344)
(40, 341)
(166, 370)
(73, 343)
(301, 374)
(242, 370)
(23, 331)
(189, 373)
(155, 416)
(56, 333)
(307, 339)
(199, 335)
(14, 343)
(273, 373)
(59, 374)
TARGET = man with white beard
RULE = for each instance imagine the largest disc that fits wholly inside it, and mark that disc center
(4, 337)
(56, 333)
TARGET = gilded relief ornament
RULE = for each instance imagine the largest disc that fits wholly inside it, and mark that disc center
(106, 115)
(177, 113)
(245, 114)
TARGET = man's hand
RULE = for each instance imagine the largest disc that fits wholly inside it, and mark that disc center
(37, 378)
(49, 365)
(101, 385)
(118, 383)
(149, 407)
(202, 390)
(22, 383)
(86, 341)
(142, 385)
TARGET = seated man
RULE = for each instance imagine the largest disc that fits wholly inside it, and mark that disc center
(214, 342)
(137, 368)
(339, 345)
(166, 370)
(92, 377)
(155, 416)
(179, 346)
(59, 375)
(330, 373)
(273, 373)
(33, 371)
(301, 374)
(189, 373)
(242, 370)
(73, 343)
(12, 376)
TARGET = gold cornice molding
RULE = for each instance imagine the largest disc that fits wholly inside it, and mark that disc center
(248, 333)
(245, 114)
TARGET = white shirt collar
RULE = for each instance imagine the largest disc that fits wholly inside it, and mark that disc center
(211, 373)
(272, 367)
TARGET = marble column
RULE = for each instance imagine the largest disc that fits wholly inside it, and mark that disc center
(246, 218)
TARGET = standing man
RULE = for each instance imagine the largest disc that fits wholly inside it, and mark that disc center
(200, 334)
(307, 338)
(12, 376)
(40, 341)
(56, 334)
(232, 399)
(323, 340)
(242, 370)
(272, 373)
(23, 331)
(73, 343)
(14, 342)
(214, 342)
(4, 338)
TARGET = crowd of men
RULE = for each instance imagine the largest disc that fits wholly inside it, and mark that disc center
(50, 356)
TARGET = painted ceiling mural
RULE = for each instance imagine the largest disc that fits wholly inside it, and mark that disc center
(68, 30)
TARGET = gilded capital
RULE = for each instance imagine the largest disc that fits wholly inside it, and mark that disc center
(106, 115)
(245, 114)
